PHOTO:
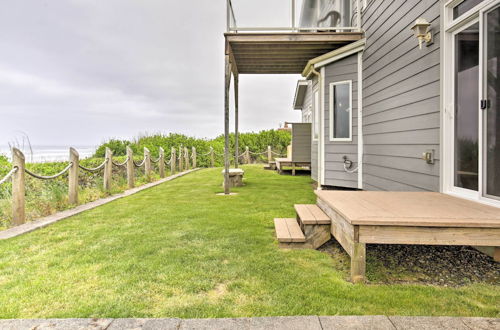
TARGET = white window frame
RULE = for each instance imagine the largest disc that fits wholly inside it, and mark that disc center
(316, 129)
(331, 121)
(451, 28)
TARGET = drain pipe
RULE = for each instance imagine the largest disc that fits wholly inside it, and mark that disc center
(320, 84)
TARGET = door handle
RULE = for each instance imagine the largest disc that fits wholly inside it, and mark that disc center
(485, 104)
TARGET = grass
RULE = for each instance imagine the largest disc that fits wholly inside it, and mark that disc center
(178, 250)
(47, 197)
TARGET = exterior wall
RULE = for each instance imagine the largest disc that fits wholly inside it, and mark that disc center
(335, 175)
(401, 101)
(307, 107)
(301, 142)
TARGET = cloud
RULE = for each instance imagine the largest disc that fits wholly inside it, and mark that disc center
(91, 69)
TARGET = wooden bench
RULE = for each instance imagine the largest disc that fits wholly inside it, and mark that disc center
(288, 232)
(282, 162)
(271, 165)
(235, 177)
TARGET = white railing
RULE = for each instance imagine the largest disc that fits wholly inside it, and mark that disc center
(314, 16)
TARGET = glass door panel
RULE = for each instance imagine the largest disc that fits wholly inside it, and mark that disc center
(466, 137)
(492, 104)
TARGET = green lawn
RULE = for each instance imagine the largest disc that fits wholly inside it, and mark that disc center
(178, 250)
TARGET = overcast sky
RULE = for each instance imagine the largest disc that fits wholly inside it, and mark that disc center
(76, 72)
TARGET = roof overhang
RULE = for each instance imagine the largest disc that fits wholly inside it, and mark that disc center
(300, 93)
(333, 56)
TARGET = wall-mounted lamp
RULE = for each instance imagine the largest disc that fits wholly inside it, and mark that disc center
(422, 31)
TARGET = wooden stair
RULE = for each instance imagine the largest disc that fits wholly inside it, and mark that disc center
(289, 233)
(309, 230)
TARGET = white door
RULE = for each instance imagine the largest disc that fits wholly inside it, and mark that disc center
(471, 99)
(490, 104)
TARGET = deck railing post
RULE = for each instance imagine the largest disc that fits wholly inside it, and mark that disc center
(173, 160)
(269, 154)
(108, 169)
(186, 159)
(293, 15)
(18, 188)
(193, 156)
(161, 163)
(236, 122)
(228, 15)
(358, 16)
(74, 158)
(227, 85)
(147, 162)
(212, 160)
(247, 155)
(130, 168)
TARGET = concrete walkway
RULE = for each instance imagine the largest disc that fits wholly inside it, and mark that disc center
(275, 323)
(44, 222)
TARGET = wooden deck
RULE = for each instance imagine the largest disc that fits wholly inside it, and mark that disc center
(428, 218)
(282, 53)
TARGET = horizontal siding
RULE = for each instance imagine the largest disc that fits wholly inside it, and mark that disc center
(401, 112)
(335, 175)
(301, 142)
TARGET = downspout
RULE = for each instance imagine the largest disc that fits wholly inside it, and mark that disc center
(320, 137)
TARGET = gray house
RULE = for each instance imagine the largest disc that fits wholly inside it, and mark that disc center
(403, 96)
(388, 115)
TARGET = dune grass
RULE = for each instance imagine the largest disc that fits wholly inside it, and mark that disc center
(179, 250)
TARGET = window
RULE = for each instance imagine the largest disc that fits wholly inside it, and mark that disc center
(464, 6)
(316, 116)
(341, 111)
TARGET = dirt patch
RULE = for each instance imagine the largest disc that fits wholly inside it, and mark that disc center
(420, 264)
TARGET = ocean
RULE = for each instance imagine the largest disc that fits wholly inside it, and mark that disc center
(42, 154)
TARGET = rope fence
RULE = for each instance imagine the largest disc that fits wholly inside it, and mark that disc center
(50, 177)
(95, 169)
(124, 163)
(9, 175)
(180, 159)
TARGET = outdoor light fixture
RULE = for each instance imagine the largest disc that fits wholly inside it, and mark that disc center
(422, 32)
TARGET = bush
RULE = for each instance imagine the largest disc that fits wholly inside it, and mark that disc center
(256, 142)
(46, 197)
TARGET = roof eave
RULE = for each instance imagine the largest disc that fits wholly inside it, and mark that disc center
(332, 56)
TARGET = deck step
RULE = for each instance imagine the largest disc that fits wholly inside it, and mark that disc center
(311, 214)
(288, 231)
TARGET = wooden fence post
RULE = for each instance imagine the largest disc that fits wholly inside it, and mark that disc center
(173, 160)
(18, 190)
(130, 168)
(74, 158)
(212, 160)
(161, 163)
(108, 169)
(247, 155)
(269, 155)
(147, 162)
(186, 158)
(181, 158)
(193, 155)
